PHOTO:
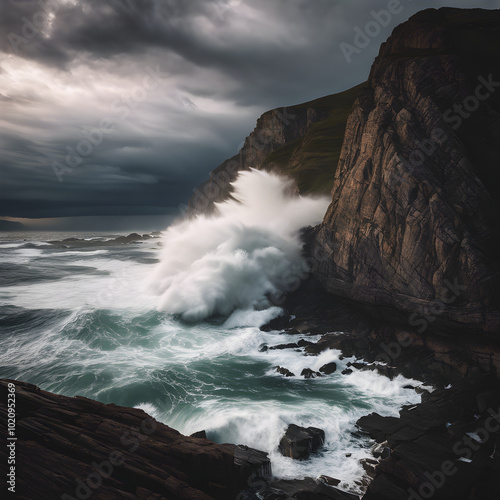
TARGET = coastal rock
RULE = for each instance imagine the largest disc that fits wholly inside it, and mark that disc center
(329, 368)
(77, 446)
(199, 434)
(330, 481)
(299, 442)
(305, 489)
(308, 373)
(414, 220)
(291, 345)
(428, 439)
(284, 371)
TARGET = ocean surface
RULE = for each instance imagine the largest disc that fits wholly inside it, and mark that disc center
(171, 325)
(82, 322)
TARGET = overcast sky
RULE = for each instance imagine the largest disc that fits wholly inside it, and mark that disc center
(162, 90)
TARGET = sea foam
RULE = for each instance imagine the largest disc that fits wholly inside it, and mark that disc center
(235, 260)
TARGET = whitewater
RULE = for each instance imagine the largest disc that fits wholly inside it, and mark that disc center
(171, 325)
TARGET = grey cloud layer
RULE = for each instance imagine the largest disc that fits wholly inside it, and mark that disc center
(223, 62)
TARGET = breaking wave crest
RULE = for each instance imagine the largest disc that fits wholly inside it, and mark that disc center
(235, 260)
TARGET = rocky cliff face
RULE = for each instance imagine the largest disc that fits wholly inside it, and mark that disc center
(302, 141)
(413, 222)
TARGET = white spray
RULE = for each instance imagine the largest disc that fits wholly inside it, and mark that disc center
(232, 261)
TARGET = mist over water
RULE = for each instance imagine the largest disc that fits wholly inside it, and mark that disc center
(235, 260)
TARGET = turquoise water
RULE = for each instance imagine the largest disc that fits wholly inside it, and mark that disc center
(84, 322)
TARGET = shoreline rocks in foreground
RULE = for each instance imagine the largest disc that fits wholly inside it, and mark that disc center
(79, 448)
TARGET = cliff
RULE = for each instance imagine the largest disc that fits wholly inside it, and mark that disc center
(302, 141)
(413, 222)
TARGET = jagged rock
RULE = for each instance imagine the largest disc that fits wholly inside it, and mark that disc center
(284, 371)
(330, 481)
(199, 434)
(79, 447)
(369, 465)
(381, 450)
(308, 373)
(431, 434)
(291, 345)
(299, 442)
(304, 343)
(305, 489)
(329, 368)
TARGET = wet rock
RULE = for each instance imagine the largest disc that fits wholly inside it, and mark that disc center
(346, 371)
(291, 345)
(299, 442)
(305, 489)
(60, 439)
(330, 481)
(357, 365)
(425, 437)
(369, 465)
(284, 371)
(199, 434)
(304, 343)
(329, 368)
(381, 450)
(308, 373)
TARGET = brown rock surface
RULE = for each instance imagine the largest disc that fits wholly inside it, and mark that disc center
(85, 449)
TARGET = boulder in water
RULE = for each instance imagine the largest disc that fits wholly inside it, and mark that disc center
(284, 371)
(299, 442)
(308, 373)
(329, 368)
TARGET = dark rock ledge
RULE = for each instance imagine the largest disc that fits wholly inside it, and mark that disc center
(427, 452)
(447, 447)
(70, 448)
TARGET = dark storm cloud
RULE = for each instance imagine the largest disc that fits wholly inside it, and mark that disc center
(68, 65)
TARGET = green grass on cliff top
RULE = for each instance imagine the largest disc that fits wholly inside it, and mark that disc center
(311, 160)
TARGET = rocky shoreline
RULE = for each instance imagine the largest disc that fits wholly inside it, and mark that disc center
(448, 446)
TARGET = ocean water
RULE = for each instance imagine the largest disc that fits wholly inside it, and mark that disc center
(122, 324)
